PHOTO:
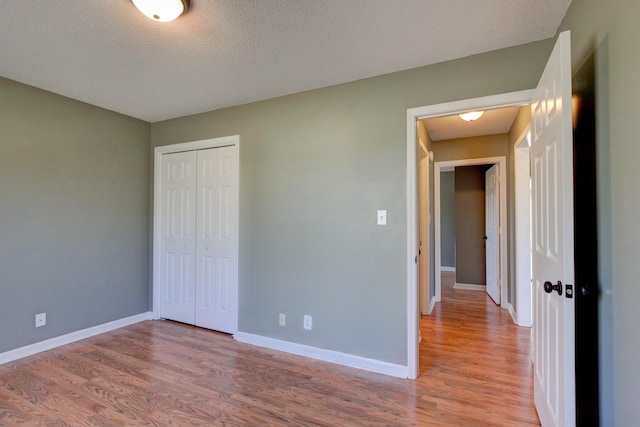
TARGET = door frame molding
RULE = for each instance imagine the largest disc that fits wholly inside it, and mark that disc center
(158, 152)
(522, 237)
(414, 114)
(501, 161)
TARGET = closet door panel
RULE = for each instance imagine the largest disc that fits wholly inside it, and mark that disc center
(216, 251)
(179, 236)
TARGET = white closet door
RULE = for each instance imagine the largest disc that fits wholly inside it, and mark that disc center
(179, 236)
(216, 242)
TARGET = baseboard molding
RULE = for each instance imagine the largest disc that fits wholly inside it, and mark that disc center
(31, 349)
(442, 268)
(332, 356)
(469, 287)
(432, 305)
(516, 318)
(513, 314)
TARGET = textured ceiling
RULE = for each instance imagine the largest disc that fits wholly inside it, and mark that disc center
(230, 52)
(492, 122)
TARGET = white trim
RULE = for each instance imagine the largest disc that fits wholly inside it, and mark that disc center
(512, 314)
(490, 102)
(233, 140)
(444, 268)
(31, 349)
(469, 287)
(432, 305)
(522, 230)
(437, 250)
(413, 114)
(413, 300)
(350, 360)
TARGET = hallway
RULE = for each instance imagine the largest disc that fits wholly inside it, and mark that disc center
(475, 360)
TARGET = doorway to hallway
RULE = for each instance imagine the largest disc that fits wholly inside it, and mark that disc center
(476, 360)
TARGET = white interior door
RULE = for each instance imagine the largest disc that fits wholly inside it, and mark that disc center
(178, 236)
(552, 176)
(216, 265)
(492, 232)
(423, 226)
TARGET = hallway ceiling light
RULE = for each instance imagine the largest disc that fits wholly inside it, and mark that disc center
(471, 116)
(162, 10)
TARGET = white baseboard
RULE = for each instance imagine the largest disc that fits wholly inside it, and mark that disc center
(442, 268)
(31, 349)
(512, 312)
(345, 359)
(432, 305)
(515, 317)
(469, 287)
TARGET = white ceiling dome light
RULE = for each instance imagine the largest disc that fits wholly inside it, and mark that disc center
(162, 10)
(471, 116)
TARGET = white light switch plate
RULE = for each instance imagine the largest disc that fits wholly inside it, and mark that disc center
(382, 217)
(308, 322)
(41, 319)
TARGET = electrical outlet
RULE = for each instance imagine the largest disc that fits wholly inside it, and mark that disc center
(282, 320)
(307, 324)
(41, 319)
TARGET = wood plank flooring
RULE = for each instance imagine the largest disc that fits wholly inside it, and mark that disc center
(474, 372)
(474, 361)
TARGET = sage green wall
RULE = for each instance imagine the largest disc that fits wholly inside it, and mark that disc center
(314, 168)
(74, 215)
(610, 31)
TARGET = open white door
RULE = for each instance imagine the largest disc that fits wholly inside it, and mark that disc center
(492, 232)
(553, 272)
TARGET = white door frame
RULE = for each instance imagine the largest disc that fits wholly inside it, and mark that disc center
(233, 141)
(501, 161)
(522, 215)
(414, 114)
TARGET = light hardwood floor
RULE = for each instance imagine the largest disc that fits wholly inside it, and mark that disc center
(474, 372)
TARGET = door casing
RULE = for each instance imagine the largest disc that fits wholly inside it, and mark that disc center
(522, 229)
(413, 114)
(501, 161)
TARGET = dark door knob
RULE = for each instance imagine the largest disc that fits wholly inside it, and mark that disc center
(484, 237)
(550, 287)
